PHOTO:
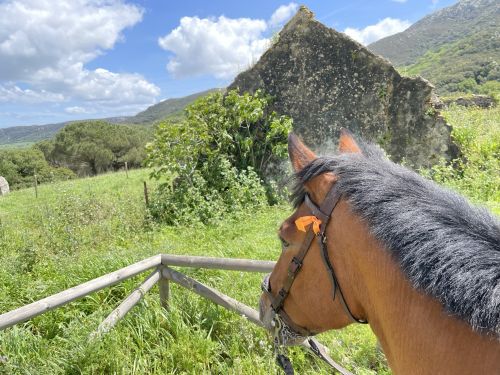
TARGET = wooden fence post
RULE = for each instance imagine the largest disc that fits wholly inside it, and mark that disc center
(126, 169)
(164, 286)
(146, 196)
(36, 186)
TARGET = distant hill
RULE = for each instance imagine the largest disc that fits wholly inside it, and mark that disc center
(166, 108)
(447, 25)
(29, 134)
(172, 108)
(467, 65)
(456, 48)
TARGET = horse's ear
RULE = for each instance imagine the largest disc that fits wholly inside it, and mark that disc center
(300, 155)
(347, 143)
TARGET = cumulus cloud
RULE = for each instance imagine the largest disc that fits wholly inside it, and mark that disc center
(13, 93)
(75, 110)
(388, 26)
(221, 46)
(45, 45)
(283, 14)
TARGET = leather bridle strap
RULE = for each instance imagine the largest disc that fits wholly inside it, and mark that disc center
(293, 270)
(323, 213)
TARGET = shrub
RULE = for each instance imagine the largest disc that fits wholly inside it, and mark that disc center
(19, 166)
(219, 159)
(475, 173)
(198, 199)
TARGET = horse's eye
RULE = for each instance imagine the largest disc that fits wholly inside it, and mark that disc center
(284, 244)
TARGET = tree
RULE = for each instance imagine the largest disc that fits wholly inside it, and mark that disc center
(218, 159)
(237, 127)
(20, 165)
(92, 147)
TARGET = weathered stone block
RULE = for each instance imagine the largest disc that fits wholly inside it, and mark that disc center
(324, 80)
(4, 186)
(481, 101)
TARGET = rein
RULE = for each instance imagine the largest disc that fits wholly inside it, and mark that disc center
(283, 326)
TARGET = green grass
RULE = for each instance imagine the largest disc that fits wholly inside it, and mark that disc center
(81, 229)
(476, 173)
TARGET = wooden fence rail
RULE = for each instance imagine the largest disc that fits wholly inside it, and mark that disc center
(39, 307)
(161, 274)
(212, 294)
(129, 302)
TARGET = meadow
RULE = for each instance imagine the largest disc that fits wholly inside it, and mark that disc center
(81, 229)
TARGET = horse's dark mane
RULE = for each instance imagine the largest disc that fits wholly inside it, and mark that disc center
(447, 247)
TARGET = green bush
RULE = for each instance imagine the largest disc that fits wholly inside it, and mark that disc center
(476, 172)
(219, 159)
(206, 201)
(19, 166)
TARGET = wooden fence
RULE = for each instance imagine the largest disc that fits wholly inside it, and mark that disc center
(163, 274)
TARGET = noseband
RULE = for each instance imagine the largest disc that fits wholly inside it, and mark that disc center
(281, 318)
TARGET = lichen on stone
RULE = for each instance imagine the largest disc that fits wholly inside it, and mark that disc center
(325, 80)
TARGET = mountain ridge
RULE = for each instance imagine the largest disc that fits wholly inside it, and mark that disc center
(444, 26)
(172, 107)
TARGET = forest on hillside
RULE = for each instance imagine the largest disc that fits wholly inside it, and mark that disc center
(80, 149)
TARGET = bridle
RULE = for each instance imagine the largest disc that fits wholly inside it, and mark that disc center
(283, 324)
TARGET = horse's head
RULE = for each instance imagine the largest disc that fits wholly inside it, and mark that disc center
(312, 287)
(371, 240)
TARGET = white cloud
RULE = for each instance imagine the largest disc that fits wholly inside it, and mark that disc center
(282, 14)
(221, 46)
(13, 93)
(400, 1)
(75, 110)
(45, 44)
(388, 26)
(35, 34)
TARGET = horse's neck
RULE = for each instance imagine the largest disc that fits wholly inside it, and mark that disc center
(416, 335)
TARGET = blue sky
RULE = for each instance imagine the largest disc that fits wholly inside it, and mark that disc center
(74, 59)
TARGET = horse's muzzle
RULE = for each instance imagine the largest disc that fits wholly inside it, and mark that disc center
(281, 332)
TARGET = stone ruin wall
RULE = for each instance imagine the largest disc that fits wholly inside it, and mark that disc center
(324, 80)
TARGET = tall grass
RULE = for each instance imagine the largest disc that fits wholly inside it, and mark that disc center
(476, 172)
(82, 229)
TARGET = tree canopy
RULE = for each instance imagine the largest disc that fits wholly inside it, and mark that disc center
(92, 147)
(19, 166)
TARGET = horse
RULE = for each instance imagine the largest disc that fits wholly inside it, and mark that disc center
(373, 242)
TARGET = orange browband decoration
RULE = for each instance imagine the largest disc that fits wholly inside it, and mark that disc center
(304, 221)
